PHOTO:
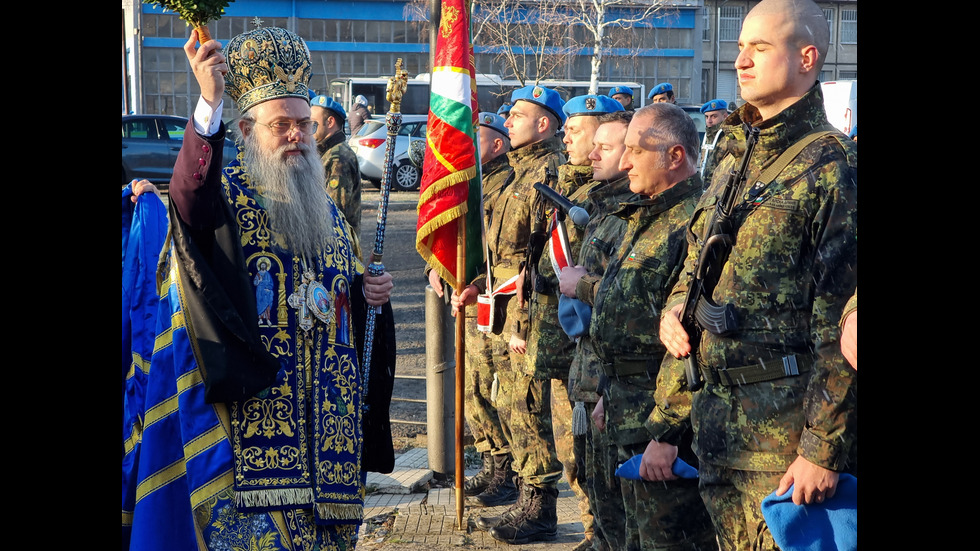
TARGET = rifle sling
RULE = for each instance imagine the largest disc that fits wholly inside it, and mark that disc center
(786, 157)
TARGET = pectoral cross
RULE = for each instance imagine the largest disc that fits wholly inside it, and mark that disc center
(297, 300)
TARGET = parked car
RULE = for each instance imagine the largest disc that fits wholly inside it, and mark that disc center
(370, 145)
(150, 144)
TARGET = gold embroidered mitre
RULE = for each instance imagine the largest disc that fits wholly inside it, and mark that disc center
(267, 63)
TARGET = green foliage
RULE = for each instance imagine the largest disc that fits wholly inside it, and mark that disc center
(196, 13)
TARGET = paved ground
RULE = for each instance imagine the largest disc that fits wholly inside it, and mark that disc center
(402, 512)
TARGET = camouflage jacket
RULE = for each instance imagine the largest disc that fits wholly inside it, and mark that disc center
(791, 271)
(709, 147)
(343, 177)
(510, 222)
(602, 236)
(549, 350)
(626, 316)
(496, 178)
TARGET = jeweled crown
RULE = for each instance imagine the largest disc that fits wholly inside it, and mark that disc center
(266, 63)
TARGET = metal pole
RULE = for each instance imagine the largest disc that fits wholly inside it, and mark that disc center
(440, 376)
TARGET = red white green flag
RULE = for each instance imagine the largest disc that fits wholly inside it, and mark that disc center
(450, 191)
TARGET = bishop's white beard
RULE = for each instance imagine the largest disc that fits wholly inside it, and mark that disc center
(293, 194)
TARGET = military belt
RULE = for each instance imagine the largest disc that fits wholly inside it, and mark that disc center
(787, 366)
(542, 298)
(622, 367)
(501, 274)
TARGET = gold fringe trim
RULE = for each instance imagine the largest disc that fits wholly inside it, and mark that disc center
(425, 236)
(448, 181)
(340, 511)
(273, 498)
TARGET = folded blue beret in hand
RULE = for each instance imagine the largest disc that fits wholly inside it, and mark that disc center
(827, 526)
(630, 469)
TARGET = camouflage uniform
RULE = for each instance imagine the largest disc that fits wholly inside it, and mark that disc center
(343, 177)
(549, 350)
(521, 399)
(790, 273)
(709, 147)
(628, 301)
(602, 236)
(481, 415)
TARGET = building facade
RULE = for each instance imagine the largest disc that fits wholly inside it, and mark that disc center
(691, 44)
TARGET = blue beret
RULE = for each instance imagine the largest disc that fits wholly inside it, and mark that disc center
(831, 524)
(591, 104)
(545, 97)
(661, 88)
(574, 315)
(854, 132)
(504, 109)
(493, 120)
(620, 90)
(330, 105)
(714, 105)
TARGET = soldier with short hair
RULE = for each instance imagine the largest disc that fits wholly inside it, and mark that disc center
(778, 408)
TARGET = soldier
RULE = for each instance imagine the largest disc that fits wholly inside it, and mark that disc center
(714, 112)
(549, 349)
(661, 164)
(480, 411)
(339, 161)
(662, 93)
(602, 236)
(624, 95)
(522, 400)
(778, 406)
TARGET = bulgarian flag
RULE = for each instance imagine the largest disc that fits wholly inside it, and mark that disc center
(450, 192)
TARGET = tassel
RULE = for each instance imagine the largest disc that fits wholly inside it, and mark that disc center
(493, 390)
(580, 419)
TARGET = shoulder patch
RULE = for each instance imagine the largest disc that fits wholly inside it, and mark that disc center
(334, 183)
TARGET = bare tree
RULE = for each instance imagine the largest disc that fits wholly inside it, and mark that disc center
(535, 40)
(530, 39)
(596, 17)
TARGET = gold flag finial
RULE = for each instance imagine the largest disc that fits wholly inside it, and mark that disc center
(396, 87)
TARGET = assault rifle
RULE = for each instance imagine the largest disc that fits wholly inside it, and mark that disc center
(700, 313)
(536, 242)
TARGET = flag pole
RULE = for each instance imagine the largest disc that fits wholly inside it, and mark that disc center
(460, 374)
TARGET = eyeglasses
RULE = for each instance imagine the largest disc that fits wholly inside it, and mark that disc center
(282, 128)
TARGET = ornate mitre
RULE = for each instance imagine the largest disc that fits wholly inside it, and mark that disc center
(267, 63)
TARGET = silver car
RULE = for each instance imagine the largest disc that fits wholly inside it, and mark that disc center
(370, 145)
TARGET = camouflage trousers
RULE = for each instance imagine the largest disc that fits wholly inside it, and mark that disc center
(664, 515)
(480, 411)
(604, 491)
(524, 408)
(570, 450)
(734, 500)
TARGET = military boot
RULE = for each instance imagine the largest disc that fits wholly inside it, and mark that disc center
(486, 523)
(538, 520)
(501, 489)
(477, 483)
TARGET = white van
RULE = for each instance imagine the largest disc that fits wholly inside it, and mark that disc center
(840, 101)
